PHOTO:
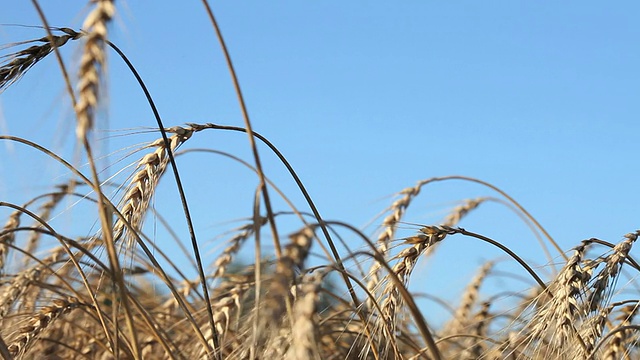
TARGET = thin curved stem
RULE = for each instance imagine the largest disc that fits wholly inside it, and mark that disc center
(512, 200)
(183, 197)
(507, 250)
(305, 193)
(63, 68)
(247, 124)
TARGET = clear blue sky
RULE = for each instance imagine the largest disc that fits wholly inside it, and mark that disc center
(365, 99)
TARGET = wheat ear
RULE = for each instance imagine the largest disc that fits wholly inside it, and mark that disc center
(235, 243)
(304, 335)
(479, 328)
(228, 303)
(389, 223)
(143, 183)
(556, 318)
(45, 214)
(463, 210)
(456, 215)
(17, 286)
(591, 331)
(40, 323)
(461, 317)
(292, 257)
(391, 300)
(610, 271)
(615, 349)
(92, 64)
(271, 330)
(7, 237)
(23, 60)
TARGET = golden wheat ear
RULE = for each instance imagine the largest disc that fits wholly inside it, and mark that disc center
(92, 64)
(305, 334)
(16, 65)
(8, 236)
(139, 192)
(39, 323)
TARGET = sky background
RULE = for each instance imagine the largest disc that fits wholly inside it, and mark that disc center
(365, 99)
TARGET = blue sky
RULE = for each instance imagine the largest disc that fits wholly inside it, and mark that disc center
(365, 99)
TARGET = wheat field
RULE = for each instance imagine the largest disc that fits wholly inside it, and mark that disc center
(105, 289)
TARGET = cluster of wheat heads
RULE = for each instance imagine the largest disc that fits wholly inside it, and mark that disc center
(114, 294)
